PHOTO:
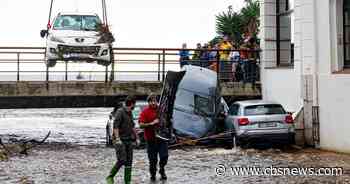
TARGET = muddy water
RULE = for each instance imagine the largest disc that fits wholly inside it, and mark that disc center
(86, 160)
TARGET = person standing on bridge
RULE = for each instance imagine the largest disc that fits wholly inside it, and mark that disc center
(149, 119)
(124, 136)
(184, 55)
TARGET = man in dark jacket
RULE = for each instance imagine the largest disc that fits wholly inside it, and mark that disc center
(149, 119)
(124, 135)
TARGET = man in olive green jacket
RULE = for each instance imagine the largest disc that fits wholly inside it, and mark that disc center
(124, 135)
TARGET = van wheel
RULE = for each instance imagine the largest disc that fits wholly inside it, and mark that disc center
(103, 63)
(51, 63)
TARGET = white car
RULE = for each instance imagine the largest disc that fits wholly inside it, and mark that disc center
(76, 37)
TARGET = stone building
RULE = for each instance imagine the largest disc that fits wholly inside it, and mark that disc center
(306, 66)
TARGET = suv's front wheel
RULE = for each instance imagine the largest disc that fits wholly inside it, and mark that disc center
(50, 63)
(111, 59)
(103, 62)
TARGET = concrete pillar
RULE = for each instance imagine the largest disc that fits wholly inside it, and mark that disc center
(268, 33)
(307, 24)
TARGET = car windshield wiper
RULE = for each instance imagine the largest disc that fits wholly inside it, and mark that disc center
(87, 29)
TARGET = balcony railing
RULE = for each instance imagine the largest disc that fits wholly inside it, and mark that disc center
(130, 64)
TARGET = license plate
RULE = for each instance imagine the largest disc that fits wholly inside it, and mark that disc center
(66, 55)
(267, 125)
(75, 55)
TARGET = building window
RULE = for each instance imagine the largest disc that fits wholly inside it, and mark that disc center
(284, 43)
(346, 29)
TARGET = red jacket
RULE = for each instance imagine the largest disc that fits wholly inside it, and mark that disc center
(147, 116)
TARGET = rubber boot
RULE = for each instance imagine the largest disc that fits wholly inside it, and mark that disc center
(112, 173)
(127, 175)
(162, 174)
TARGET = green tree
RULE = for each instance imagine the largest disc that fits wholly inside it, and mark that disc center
(234, 24)
(229, 23)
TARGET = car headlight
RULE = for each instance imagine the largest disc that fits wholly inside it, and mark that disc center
(55, 39)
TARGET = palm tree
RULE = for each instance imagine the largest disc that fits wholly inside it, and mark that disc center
(234, 24)
(250, 17)
(229, 23)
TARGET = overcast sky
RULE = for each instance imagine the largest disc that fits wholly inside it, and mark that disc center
(135, 23)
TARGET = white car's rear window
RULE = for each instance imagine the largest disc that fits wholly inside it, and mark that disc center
(264, 109)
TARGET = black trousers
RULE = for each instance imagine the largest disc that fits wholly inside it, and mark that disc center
(155, 148)
(250, 71)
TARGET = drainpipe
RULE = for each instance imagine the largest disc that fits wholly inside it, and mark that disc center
(316, 71)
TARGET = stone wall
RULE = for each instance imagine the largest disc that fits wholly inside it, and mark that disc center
(93, 94)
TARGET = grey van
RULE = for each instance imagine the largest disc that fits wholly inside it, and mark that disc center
(197, 103)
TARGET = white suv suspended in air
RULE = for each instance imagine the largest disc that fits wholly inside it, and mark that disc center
(77, 37)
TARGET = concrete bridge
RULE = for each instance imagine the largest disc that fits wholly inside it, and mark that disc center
(42, 94)
(137, 71)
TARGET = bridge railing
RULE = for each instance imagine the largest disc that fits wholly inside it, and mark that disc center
(130, 64)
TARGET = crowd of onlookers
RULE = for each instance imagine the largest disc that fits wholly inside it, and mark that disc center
(233, 61)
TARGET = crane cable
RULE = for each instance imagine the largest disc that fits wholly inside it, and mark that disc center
(104, 12)
(48, 22)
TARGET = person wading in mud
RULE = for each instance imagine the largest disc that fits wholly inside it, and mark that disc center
(124, 136)
(155, 146)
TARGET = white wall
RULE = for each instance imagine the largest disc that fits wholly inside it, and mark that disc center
(333, 89)
(283, 86)
(334, 95)
(317, 44)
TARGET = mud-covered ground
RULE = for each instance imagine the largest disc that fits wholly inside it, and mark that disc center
(75, 153)
(90, 164)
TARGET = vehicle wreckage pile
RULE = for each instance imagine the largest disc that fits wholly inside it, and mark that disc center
(191, 107)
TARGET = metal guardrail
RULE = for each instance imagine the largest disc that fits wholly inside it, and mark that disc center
(141, 62)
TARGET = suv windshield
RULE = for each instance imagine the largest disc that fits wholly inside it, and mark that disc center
(264, 109)
(189, 100)
(76, 22)
(202, 105)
